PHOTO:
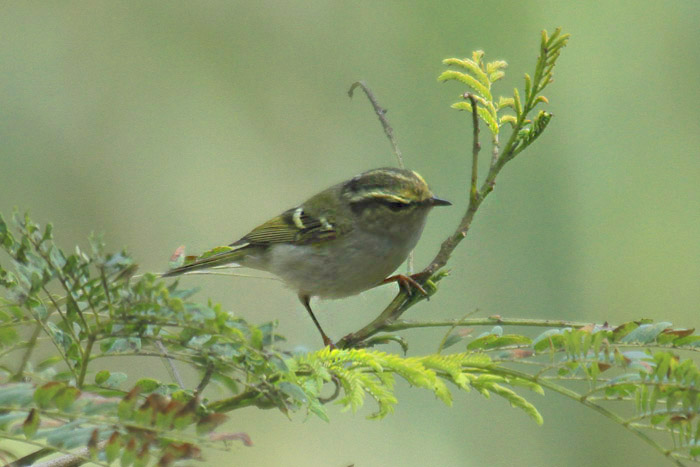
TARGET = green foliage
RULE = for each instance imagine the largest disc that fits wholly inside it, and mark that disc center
(361, 372)
(62, 417)
(89, 305)
(632, 369)
(479, 76)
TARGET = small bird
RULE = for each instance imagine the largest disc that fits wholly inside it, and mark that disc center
(340, 242)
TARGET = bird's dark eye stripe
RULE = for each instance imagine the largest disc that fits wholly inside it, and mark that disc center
(396, 205)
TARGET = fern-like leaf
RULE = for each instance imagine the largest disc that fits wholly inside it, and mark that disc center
(362, 372)
(473, 83)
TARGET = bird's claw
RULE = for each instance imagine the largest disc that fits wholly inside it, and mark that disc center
(408, 282)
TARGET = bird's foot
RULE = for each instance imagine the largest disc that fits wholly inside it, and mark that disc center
(408, 283)
(328, 342)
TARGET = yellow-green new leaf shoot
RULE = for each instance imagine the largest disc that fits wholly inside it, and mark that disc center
(469, 80)
(472, 67)
(496, 75)
(528, 87)
(518, 402)
(541, 99)
(490, 120)
(485, 115)
(518, 105)
(496, 65)
(462, 106)
(478, 56)
(550, 39)
(545, 39)
(442, 392)
(447, 364)
(506, 102)
(556, 46)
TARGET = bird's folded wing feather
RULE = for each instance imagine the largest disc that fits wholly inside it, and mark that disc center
(294, 226)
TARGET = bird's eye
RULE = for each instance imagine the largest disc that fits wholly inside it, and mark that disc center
(396, 206)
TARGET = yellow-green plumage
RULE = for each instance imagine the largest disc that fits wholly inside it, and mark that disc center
(340, 242)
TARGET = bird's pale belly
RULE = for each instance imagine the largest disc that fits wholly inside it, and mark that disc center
(320, 270)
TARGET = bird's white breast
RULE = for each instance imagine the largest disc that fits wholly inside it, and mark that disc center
(343, 266)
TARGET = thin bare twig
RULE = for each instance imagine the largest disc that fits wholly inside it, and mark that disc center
(476, 196)
(381, 113)
(400, 325)
(389, 131)
(170, 364)
(31, 344)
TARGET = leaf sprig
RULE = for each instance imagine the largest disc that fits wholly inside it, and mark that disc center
(635, 365)
(480, 76)
(362, 372)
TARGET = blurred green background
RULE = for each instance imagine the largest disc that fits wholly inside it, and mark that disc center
(165, 123)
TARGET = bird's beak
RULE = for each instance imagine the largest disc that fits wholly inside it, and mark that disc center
(434, 201)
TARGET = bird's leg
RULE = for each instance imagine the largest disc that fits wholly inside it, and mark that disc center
(407, 282)
(305, 300)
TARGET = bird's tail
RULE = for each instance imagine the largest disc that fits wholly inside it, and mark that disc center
(217, 259)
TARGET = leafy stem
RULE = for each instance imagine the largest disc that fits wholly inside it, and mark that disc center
(31, 345)
(571, 394)
(85, 360)
(479, 77)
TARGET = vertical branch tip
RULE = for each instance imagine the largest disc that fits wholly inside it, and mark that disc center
(476, 147)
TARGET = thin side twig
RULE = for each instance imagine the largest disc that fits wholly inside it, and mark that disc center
(400, 325)
(170, 364)
(79, 457)
(381, 114)
(389, 132)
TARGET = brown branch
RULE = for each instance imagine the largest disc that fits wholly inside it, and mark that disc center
(247, 398)
(475, 199)
(79, 457)
(476, 147)
(402, 301)
(381, 113)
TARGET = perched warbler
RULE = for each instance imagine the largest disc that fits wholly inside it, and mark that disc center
(340, 242)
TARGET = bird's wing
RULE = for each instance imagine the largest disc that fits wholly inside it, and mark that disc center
(295, 226)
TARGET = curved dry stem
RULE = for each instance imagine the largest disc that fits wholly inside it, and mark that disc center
(381, 114)
(389, 132)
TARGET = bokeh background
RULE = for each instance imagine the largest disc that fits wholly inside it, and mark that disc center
(165, 123)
